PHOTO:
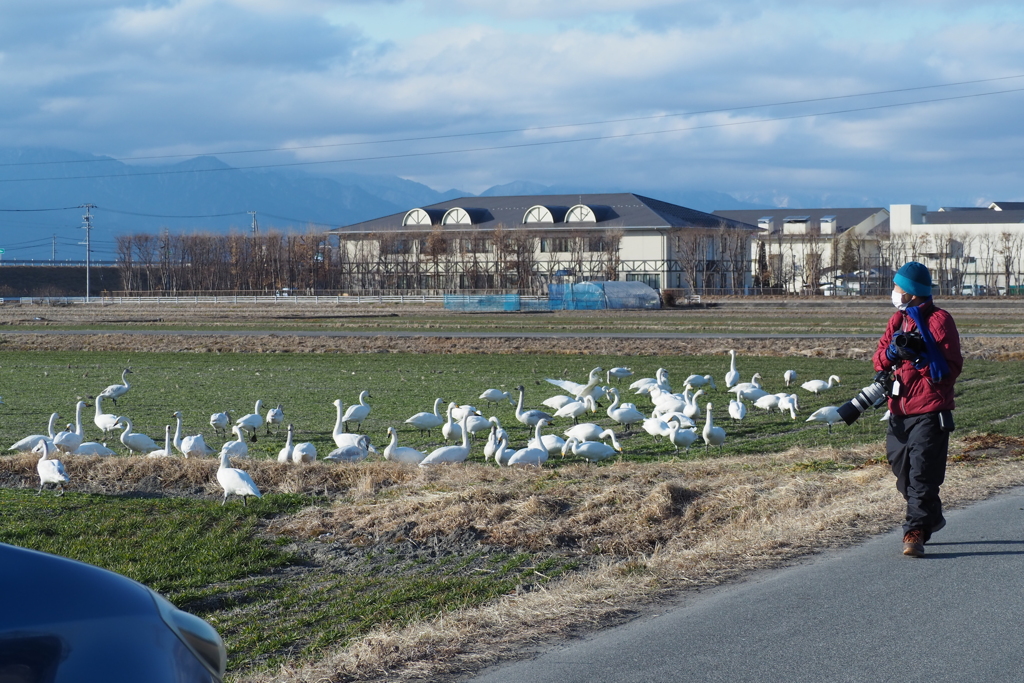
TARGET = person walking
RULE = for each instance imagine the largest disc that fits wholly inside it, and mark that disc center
(921, 346)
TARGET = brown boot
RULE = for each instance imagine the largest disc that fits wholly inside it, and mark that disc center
(913, 543)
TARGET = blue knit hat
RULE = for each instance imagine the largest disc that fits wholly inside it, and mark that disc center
(914, 278)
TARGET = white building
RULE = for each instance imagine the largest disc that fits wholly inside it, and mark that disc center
(969, 250)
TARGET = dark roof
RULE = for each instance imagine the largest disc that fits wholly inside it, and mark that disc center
(1008, 206)
(845, 218)
(621, 210)
(968, 217)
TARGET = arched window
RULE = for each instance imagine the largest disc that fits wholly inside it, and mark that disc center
(538, 214)
(456, 216)
(581, 213)
(417, 217)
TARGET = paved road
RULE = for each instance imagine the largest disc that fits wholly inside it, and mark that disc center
(861, 614)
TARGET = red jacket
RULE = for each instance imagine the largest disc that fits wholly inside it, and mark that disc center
(918, 394)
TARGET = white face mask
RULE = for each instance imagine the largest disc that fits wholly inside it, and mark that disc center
(897, 300)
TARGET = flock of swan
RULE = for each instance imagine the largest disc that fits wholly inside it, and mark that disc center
(673, 418)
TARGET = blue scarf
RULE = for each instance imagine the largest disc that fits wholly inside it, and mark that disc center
(936, 360)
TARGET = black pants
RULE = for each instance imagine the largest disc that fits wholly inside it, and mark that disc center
(916, 447)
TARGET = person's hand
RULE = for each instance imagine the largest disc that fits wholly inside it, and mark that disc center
(893, 352)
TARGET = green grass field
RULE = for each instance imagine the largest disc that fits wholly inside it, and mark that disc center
(34, 384)
(214, 560)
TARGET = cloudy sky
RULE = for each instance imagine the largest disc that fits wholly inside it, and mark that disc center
(613, 89)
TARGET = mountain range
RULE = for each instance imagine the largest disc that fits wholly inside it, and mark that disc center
(42, 190)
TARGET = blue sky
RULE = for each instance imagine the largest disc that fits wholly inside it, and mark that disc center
(130, 79)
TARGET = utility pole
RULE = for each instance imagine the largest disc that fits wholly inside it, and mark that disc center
(53, 253)
(88, 244)
(255, 225)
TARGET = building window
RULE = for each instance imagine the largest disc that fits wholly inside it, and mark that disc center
(456, 216)
(552, 245)
(652, 280)
(538, 214)
(397, 247)
(416, 217)
(477, 245)
(598, 244)
(581, 213)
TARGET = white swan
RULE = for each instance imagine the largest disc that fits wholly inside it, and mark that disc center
(67, 441)
(476, 423)
(79, 429)
(355, 452)
(116, 391)
(549, 442)
(737, 408)
(502, 452)
(405, 454)
(107, 422)
(789, 376)
(829, 415)
(304, 451)
(529, 417)
(491, 446)
(681, 436)
(30, 443)
(237, 448)
(285, 454)
(768, 402)
(220, 422)
(576, 389)
(451, 430)
(587, 431)
(501, 430)
(751, 390)
(789, 402)
(251, 422)
(166, 451)
(190, 446)
(235, 482)
(275, 416)
(94, 448)
(135, 441)
(655, 426)
(534, 454)
(426, 421)
(592, 451)
(557, 401)
(496, 396)
(50, 471)
(692, 410)
(733, 376)
(358, 412)
(447, 454)
(713, 436)
(577, 408)
(618, 373)
(694, 381)
(341, 438)
(644, 386)
(816, 386)
(626, 413)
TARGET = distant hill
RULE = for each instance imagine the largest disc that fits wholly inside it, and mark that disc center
(206, 194)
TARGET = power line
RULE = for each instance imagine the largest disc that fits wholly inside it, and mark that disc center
(62, 208)
(158, 215)
(519, 145)
(296, 148)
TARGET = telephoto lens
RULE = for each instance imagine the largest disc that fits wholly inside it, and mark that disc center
(871, 396)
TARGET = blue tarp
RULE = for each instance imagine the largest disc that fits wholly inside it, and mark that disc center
(583, 296)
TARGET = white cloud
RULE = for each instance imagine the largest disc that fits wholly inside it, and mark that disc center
(127, 77)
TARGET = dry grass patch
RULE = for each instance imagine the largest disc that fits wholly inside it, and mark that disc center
(660, 528)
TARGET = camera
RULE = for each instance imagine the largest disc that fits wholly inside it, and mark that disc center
(871, 396)
(911, 345)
